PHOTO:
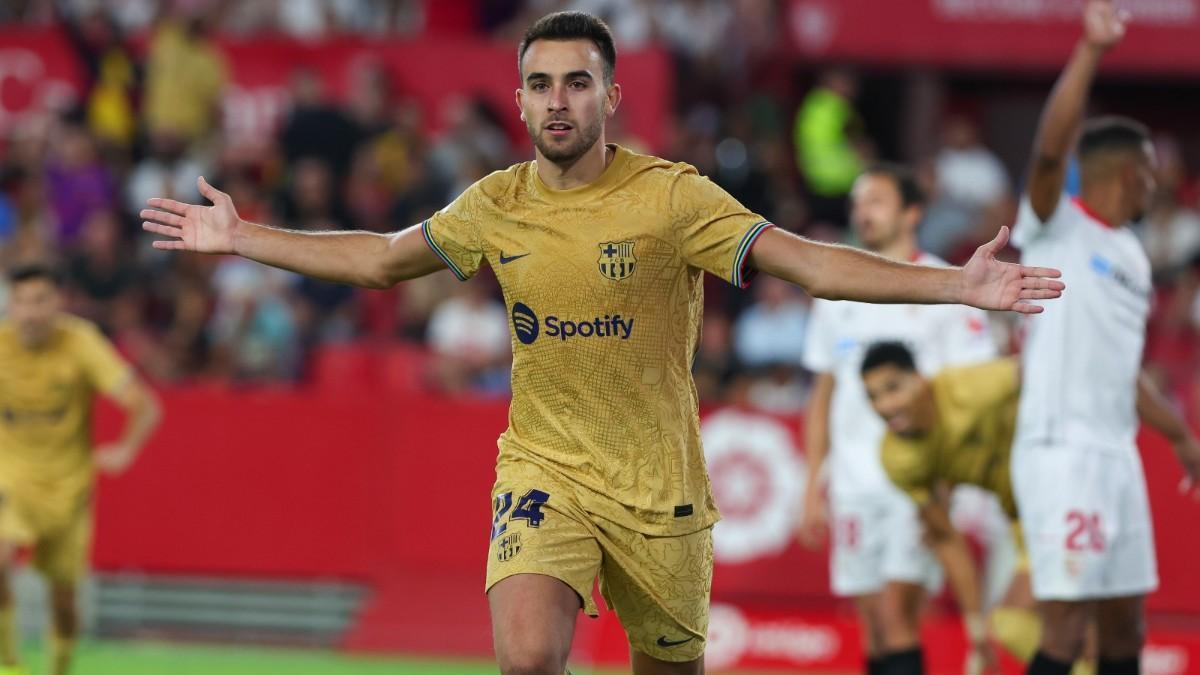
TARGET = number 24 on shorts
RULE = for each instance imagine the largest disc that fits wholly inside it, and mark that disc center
(529, 509)
(1085, 533)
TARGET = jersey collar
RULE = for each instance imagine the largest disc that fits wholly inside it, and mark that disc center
(1087, 210)
(612, 173)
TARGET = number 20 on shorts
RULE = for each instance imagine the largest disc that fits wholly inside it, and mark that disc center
(1084, 532)
(529, 509)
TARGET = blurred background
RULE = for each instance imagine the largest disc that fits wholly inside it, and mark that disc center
(321, 481)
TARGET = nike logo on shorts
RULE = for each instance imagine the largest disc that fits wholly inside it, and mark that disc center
(664, 642)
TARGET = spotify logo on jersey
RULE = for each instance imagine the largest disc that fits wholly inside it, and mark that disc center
(527, 326)
(525, 323)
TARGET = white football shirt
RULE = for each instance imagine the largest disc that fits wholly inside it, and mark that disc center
(1082, 356)
(839, 334)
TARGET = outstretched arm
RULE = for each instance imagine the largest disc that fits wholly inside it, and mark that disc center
(839, 272)
(1155, 411)
(360, 258)
(1104, 26)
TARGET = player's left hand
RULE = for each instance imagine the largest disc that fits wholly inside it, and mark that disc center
(113, 458)
(991, 284)
(1188, 451)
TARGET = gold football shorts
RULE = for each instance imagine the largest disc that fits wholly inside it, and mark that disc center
(59, 534)
(658, 586)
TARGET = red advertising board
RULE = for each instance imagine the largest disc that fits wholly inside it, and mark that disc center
(392, 490)
(994, 34)
(38, 70)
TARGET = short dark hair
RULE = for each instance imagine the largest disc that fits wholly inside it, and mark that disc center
(888, 353)
(573, 26)
(1111, 133)
(905, 179)
(32, 271)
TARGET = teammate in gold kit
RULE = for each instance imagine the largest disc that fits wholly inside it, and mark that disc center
(956, 428)
(600, 253)
(52, 366)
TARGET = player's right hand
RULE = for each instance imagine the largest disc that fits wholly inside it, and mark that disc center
(1188, 451)
(981, 660)
(1103, 24)
(191, 227)
(814, 521)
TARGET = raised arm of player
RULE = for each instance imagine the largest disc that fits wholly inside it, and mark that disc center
(142, 416)
(815, 518)
(1103, 28)
(360, 258)
(1156, 412)
(952, 551)
(837, 272)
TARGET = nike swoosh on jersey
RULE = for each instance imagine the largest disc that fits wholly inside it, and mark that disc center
(505, 260)
(664, 642)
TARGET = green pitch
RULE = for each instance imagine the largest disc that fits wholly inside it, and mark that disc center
(141, 658)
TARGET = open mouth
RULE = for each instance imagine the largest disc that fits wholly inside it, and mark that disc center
(898, 423)
(558, 129)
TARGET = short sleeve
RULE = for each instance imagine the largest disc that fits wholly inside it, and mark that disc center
(714, 231)
(819, 354)
(1029, 226)
(454, 233)
(908, 468)
(966, 336)
(103, 366)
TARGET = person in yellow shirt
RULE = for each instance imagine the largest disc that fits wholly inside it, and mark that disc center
(52, 366)
(957, 428)
(600, 254)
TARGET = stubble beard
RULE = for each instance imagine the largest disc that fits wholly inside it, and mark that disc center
(568, 154)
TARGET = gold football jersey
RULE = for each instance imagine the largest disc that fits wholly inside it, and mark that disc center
(46, 406)
(972, 440)
(603, 284)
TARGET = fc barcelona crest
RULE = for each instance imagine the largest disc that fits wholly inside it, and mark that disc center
(616, 260)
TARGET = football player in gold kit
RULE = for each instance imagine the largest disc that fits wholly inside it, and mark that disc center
(957, 428)
(52, 366)
(600, 253)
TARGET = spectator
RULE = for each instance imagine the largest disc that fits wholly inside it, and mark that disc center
(185, 78)
(101, 272)
(254, 327)
(970, 193)
(697, 29)
(476, 138)
(165, 171)
(1171, 230)
(110, 75)
(309, 200)
(771, 331)
(468, 333)
(78, 183)
(829, 140)
(315, 128)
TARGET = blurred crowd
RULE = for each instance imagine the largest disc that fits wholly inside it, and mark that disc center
(788, 146)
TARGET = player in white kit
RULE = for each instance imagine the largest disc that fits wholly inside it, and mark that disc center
(1076, 470)
(878, 557)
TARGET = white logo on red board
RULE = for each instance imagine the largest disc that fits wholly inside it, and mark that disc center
(758, 482)
(735, 637)
(26, 87)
